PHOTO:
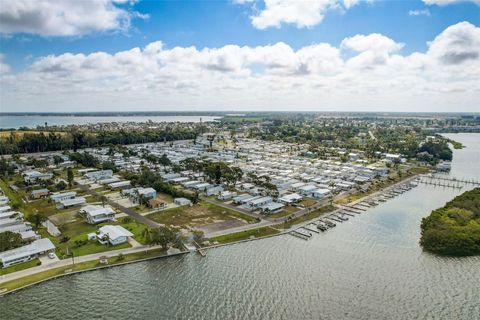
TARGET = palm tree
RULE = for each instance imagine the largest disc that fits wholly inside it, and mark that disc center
(147, 235)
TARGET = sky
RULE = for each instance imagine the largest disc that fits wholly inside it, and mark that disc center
(240, 55)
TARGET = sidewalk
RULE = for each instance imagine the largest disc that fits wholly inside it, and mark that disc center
(68, 261)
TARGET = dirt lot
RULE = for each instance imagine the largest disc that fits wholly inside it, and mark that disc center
(199, 215)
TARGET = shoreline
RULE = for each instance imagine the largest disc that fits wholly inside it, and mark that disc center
(214, 246)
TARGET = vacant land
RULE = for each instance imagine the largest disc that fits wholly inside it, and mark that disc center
(198, 215)
(243, 235)
(309, 216)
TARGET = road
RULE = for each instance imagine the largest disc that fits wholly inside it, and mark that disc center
(138, 217)
(67, 262)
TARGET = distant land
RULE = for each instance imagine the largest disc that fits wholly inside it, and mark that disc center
(236, 113)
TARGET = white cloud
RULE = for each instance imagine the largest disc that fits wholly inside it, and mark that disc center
(374, 76)
(458, 44)
(4, 68)
(64, 18)
(301, 13)
(373, 42)
(417, 12)
(447, 2)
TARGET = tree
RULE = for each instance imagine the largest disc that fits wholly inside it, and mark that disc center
(10, 240)
(70, 177)
(104, 200)
(37, 219)
(163, 236)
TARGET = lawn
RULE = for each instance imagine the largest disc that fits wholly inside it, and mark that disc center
(20, 266)
(285, 212)
(15, 198)
(243, 235)
(18, 283)
(307, 202)
(306, 217)
(198, 215)
(79, 230)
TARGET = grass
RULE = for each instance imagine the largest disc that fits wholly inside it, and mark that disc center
(20, 266)
(419, 170)
(18, 283)
(15, 198)
(306, 217)
(243, 235)
(79, 229)
(307, 202)
(200, 214)
(285, 212)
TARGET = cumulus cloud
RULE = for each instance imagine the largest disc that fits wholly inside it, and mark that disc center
(458, 44)
(301, 13)
(364, 71)
(447, 2)
(64, 18)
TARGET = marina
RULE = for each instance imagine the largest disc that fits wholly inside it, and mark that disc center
(345, 212)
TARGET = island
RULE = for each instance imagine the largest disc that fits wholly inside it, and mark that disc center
(455, 228)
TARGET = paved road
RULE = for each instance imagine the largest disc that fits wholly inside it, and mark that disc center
(67, 262)
(138, 217)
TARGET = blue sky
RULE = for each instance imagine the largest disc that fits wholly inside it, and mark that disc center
(215, 24)
(218, 23)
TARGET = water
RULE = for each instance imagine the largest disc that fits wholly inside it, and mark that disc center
(15, 122)
(370, 267)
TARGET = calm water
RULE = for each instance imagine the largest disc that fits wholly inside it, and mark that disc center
(34, 121)
(370, 267)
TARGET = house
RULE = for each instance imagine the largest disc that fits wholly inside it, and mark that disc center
(67, 203)
(4, 200)
(226, 195)
(39, 194)
(99, 175)
(113, 235)
(137, 194)
(182, 201)
(272, 207)
(290, 198)
(60, 196)
(34, 176)
(10, 214)
(120, 184)
(26, 253)
(259, 202)
(213, 190)
(320, 193)
(5, 208)
(95, 214)
(157, 203)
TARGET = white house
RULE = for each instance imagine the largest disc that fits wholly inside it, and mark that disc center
(25, 253)
(225, 195)
(113, 234)
(99, 175)
(57, 196)
(34, 176)
(320, 193)
(67, 203)
(5, 208)
(259, 202)
(182, 201)
(272, 207)
(95, 214)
